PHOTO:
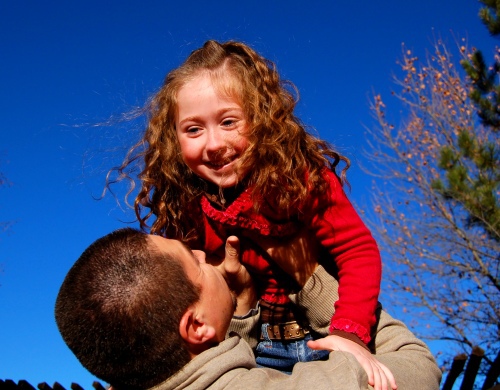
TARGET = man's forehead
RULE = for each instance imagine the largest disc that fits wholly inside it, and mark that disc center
(176, 249)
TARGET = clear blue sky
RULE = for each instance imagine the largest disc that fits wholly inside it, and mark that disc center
(70, 63)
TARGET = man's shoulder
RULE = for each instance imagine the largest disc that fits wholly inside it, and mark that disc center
(209, 368)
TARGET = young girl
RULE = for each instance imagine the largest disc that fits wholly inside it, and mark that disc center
(225, 155)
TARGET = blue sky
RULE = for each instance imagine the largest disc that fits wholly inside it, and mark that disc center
(67, 66)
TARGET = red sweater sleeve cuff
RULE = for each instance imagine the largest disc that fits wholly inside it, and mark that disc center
(348, 326)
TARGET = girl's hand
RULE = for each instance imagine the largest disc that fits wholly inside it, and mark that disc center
(379, 376)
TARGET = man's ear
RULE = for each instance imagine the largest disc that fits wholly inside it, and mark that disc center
(193, 330)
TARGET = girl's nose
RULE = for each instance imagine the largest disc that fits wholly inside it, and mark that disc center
(215, 141)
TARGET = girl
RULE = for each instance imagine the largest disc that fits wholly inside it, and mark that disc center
(225, 155)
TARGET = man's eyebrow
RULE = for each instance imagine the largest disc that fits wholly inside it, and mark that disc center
(189, 250)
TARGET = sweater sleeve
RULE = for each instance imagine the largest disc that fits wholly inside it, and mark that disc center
(247, 327)
(393, 344)
(341, 231)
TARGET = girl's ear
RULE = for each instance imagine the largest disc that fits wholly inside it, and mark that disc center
(193, 330)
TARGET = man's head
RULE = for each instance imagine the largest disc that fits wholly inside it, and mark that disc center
(135, 308)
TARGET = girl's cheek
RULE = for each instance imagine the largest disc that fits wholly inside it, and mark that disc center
(244, 143)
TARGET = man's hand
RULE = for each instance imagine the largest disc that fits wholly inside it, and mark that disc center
(379, 376)
(237, 277)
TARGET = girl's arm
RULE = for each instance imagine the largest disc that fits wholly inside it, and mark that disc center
(408, 358)
(298, 258)
(338, 228)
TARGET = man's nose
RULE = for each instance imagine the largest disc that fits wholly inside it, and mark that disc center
(200, 256)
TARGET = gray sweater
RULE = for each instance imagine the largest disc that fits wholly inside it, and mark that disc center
(231, 364)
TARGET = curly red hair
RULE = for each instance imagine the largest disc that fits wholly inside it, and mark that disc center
(282, 158)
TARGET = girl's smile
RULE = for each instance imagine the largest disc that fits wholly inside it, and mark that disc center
(211, 131)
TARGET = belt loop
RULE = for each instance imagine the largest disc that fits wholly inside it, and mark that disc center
(264, 333)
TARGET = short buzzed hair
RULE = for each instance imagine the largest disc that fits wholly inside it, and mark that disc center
(119, 309)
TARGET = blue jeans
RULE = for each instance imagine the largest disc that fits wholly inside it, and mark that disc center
(282, 355)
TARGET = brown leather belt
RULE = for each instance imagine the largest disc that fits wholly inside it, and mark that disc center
(286, 331)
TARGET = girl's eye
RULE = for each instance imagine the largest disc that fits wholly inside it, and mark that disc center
(192, 130)
(228, 122)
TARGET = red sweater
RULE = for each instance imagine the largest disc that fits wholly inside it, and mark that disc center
(337, 227)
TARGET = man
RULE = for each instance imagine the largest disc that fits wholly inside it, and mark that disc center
(141, 311)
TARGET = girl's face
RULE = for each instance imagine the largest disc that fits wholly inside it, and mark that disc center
(211, 129)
